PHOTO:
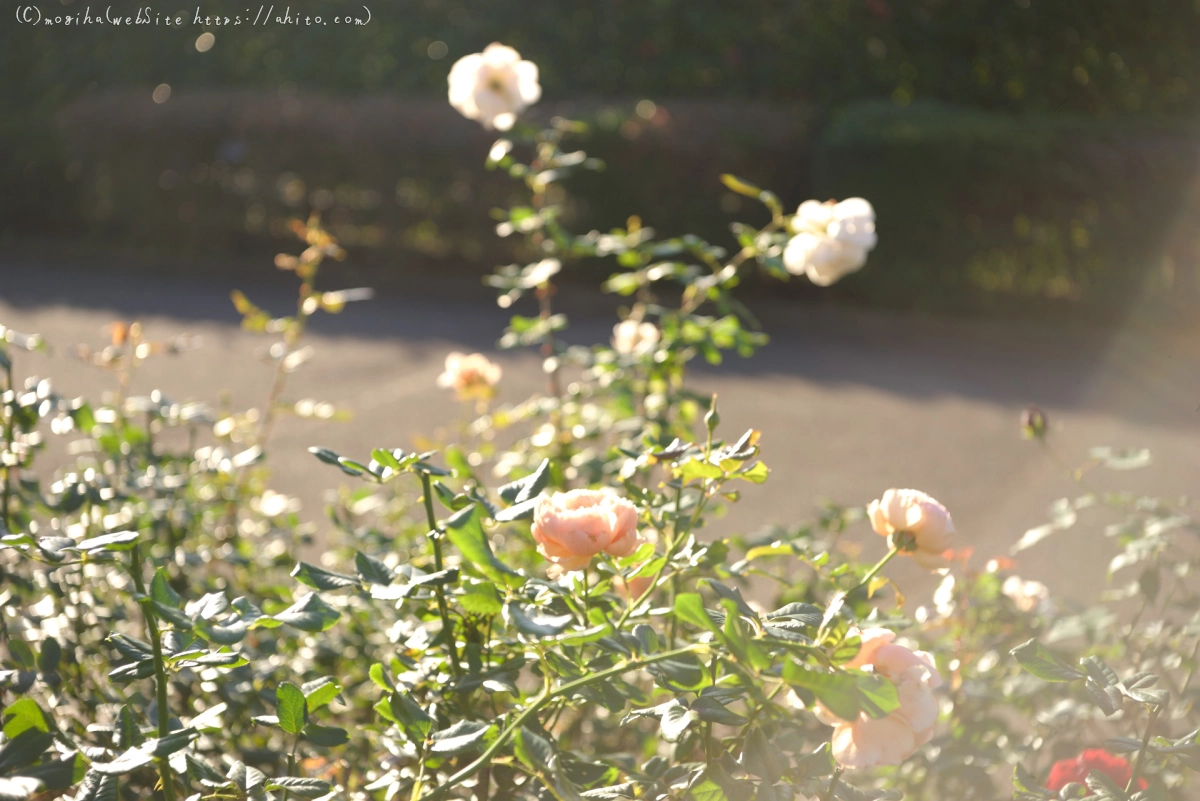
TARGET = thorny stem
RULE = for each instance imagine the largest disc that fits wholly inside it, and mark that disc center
(435, 536)
(1141, 755)
(539, 702)
(160, 670)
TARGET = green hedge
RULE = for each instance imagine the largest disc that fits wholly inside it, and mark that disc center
(980, 207)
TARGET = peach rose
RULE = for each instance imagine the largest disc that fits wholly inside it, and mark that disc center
(572, 527)
(633, 589)
(918, 524)
(870, 742)
(470, 376)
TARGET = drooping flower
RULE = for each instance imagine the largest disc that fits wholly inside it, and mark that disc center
(631, 338)
(471, 376)
(494, 86)
(1027, 595)
(832, 239)
(915, 522)
(1076, 770)
(572, 527)
(870, 742)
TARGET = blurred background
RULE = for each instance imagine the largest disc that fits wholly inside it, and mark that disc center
(1033, 165)
(1023, 155)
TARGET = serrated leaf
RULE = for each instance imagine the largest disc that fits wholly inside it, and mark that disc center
(320, 692)
(465, 531)
(481, 598)
(372, 570)
(462, 736)
(676, 718)
(300, 786)
(689, 607)
(1038, 660)
(534, 751)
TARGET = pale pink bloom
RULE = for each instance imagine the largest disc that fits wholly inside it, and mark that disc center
(494, 86)
(870, 742)
(470, 375)
(832, 239)
(572, 527)
(913, 513)
(632, 338)
(1027, 595)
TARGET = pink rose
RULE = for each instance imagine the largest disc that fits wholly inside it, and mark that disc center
(470, 376)
(870, 742)
(923, 526)
(572, 527)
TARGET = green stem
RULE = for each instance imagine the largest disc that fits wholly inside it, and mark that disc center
(833, 783)
(1141, 755)
(10, 417)
(436, 537)
(873, 572)
(539, 702)
(160, 669)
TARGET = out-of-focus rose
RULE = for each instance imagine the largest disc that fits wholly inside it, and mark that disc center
(632, 338)
(1027, 595)
(633, 589)
(832, 239)
(1076, 770)
(471, 376)
(572, 527)
(1033, 422)
(494, 86)
(869, 742)
(916, 523)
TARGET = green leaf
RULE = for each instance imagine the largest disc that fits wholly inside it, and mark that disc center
(838, 692)
(380, 678)
(533, 750)
(757, 473)
(408, 715)
(372, 570)
(23, 715)
(320, 692)
(326, 736)
(462, 736)
(675, 720)
(116, 541)
(536, 625)
(321, 579)
(689, 607)
(309, 613)
(711, 710)
(735, 184)
(465, 530)
(291, 708)
(480, 598)
(300, 786)
(527, 488)
(876, 695)
(1038, 660)
(161, 590)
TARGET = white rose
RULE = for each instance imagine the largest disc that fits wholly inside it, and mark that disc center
(633, 338)
(493, 86)
(832, 239)
(1026, 595)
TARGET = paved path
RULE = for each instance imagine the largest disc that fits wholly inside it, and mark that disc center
(850, 403)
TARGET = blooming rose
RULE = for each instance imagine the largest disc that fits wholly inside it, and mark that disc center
(921, 518)
(832, 239)
(572, 527)
(869, 742)
(1025, 594)
(633, 338)
(471, 376)
(1076, 770)
(493, 86)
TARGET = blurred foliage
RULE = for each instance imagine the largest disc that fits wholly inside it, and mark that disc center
(1107, 58)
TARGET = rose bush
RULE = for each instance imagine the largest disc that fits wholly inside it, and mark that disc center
(531, 610)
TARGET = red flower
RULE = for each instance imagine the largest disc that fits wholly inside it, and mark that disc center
(1076, 770)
